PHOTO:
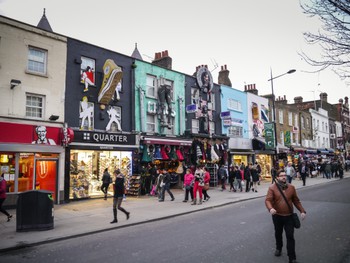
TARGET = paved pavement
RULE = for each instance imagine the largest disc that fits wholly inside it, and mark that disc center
(92, 216)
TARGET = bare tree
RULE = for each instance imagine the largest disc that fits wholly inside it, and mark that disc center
(333, 37)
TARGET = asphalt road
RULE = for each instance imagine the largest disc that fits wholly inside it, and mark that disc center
(241, 232)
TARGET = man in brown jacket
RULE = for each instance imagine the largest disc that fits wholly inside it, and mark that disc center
(281, 214)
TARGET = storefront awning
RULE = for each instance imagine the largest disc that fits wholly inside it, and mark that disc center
(299, 149)
(168, 141)
(311, 151)
(282, 148)
(322, 151)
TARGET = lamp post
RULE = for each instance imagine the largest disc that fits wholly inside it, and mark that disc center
(273, 103)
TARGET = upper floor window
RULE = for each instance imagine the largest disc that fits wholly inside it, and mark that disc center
(195, 126)
(290, 119)
(296, 122)
(34, 106)
(280, 116)
(307, 123)
(151, 86)
(235, 131)
(211, 127)
(194, 96)
(37, 60)
(302, 120)
(151, 123)
(233, 104)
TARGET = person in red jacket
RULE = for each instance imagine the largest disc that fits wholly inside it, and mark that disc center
(281, 215)
(3, 196)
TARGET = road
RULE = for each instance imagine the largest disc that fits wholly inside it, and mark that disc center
(241, 232)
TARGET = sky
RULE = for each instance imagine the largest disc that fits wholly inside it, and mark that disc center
(251, 37)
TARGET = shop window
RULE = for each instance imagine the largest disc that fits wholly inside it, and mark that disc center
(87, 167)
(7, 168)
(35, 106)
(211, 127)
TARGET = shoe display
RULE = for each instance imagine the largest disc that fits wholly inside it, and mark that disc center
(112, 76)
(278, 253)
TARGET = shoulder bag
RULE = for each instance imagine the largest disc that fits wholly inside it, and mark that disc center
(296, 220)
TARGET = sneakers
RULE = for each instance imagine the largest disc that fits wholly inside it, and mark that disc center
(278, 253)
(172, 199)
(9, 218)
(112, 76)
(127, 215)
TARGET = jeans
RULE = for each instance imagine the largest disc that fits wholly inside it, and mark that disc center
(238, 184)
(104, 188)
(166, 187)
(286, 223)
(188, 191)
(289, 179)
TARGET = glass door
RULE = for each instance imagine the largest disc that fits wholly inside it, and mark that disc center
(46, 175)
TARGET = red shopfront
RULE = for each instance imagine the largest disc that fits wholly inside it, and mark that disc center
(32, 158)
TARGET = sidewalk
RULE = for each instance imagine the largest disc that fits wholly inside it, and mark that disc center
(92, 216)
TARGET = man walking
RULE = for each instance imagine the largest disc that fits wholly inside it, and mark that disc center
(281, 215)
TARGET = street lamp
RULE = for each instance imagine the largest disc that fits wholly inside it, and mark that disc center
(273, 102)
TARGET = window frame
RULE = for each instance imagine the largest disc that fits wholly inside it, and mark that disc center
(31, 58)
(35, 107)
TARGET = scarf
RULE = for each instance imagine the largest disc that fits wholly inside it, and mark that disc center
(283, 185)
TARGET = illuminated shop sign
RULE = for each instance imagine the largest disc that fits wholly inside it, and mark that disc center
(104, 138)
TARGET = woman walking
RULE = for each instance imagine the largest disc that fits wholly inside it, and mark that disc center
(198, 183)
(206, 183)
(3, 197)
(119, 190)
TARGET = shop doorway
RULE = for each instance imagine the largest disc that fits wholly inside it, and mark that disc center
(46, 171)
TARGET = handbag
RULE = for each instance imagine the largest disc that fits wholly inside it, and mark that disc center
(206, 186)
(296, 220)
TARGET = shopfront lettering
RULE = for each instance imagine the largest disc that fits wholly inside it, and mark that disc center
(109, 138)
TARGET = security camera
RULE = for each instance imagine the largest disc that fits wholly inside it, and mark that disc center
(14, 83)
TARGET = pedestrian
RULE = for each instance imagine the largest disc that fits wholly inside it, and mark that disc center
(106, 180)
(198, 183)
(119, 190)
(303, 171)
(282, 217)
(160, 184)
(247, 177)
(255, 178)
(258, 169)
(166, 186)
(188, 185)
(290, 172)
(238, 178)
(206, 197)
(231, 178)
(3, 196)
(328, 170)
(223, 177)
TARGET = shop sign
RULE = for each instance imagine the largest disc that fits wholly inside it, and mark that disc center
(269, 136)
(191, 108)
(225, 115)
(104, 138)
(227, 122)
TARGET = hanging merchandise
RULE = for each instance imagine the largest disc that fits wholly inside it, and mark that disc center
(172, 153)
(145, 156)
(179, 155)
(164, 152)
(157, 155)
(214, 157)
(180, 169)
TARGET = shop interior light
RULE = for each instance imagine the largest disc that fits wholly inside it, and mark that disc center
(4, 158)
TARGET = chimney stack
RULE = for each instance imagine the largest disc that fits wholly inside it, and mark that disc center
(251, 88)
(298, 100)
(223, 76)
(323, 96)
(163, 60)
